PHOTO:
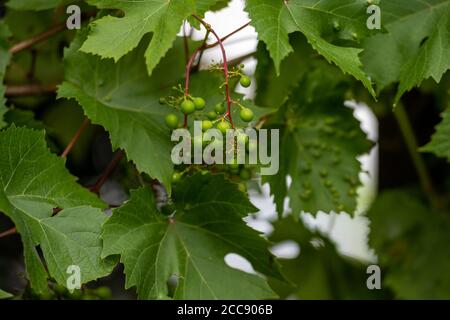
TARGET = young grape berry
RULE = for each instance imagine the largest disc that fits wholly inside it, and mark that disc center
(206, 125)
(187, 107)
(246, 114)
(245, 174)
(199, 103)
(223, 126)
(172, 121)
(176, 177)
(219, 108)
(211, 115)
(245, 81)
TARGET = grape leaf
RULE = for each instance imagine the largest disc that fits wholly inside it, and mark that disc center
(114, 37)
(23, 118)
(401, 55)
(274, 90)
(440, 142)
(319, 271)
(125, 100)
(36, 5)
(412, 241)
(5, 295)
(320, 141)
(320, 22)
(192, 244)
(4, 60)
(33, 183)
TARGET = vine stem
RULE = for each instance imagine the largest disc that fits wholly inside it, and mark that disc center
(29, 90)
(225, 66)
(28, 43)
(8, 233)
(75, 138)
(109, 169)
(419, 163)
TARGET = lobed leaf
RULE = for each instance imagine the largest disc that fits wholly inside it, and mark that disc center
(114, 37)
(33, 183)
(320, 143)
(324, 23)
(191, 244)
(400, 55)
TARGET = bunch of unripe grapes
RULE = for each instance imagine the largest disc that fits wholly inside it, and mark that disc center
(190, 105)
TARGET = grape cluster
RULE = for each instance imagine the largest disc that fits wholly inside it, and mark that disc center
(218, 117)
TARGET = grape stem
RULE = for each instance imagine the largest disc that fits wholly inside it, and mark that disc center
(200, 50)
(419, 163)
(29, 90)
(75, 138)
(108, 171)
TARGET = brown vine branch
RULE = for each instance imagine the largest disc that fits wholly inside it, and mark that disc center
(8, 233)
(28, 43)
(29, 90)
(75, 138)
(107, 172)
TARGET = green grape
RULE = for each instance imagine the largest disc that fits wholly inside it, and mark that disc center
(219, 108)
(223, 126)
(47, 296)
(252, 146)
(245, 174)
(76, 295)
(242, 139)
(199, 103)
(187, 107)
(172, 121)
(206, 125)
(234, 166)
(246, 114)
(103, 293)
(198, 140)
(176, 177)
(245, 81)
(211, 115)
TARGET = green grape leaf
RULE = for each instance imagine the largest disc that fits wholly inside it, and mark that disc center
(191, 244)
(35, 5)
(5, 295)
(125, 101)
(401, 55)
(319, 271)
(23, 118)
(274, 90)
(440, 142)
(320, 143)
(324, 23)
(114, 37)
(4, 61)
(33, 183)
(411, 240)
